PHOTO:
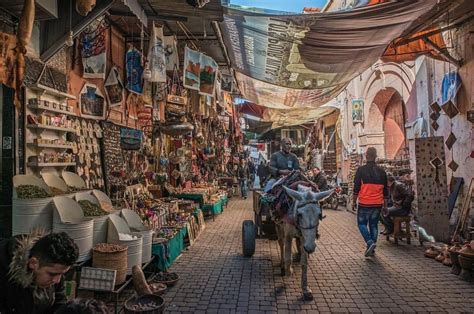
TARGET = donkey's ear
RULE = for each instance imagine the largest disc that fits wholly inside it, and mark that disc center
(298, 196)
(303, 189)
(321, 195)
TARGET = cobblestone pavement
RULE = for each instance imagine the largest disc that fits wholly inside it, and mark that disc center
(215, 277)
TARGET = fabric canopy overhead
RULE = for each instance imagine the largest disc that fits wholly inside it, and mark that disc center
(303, 61)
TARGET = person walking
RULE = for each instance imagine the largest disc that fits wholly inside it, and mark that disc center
(243, 175)
(263, 172)
(371, 193)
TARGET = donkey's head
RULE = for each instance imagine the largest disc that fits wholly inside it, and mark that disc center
(306, 211)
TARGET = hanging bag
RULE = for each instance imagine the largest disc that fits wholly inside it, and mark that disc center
(130, 139)
(175, 102)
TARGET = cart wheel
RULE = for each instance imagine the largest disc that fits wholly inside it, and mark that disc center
(333, 202)
(248, 238)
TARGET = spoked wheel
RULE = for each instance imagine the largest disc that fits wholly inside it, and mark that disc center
(248, 238)
(333, 202)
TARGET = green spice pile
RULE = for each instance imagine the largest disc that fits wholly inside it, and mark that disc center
(30, 192)
(91, 209)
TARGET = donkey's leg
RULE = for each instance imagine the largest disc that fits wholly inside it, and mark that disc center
(281, 242)
(307, 293)
(288, 240)
(297, 257)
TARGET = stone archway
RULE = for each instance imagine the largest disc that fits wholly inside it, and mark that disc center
(387, 115)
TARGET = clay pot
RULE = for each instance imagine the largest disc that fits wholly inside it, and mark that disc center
(431, 252)
(447, 260)
(440, 257)
(467, 251)
(467, 265)
(466, 262)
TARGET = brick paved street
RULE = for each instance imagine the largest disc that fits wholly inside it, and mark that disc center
(215, 277)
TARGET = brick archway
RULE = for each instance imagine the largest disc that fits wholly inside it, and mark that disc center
(387, 114)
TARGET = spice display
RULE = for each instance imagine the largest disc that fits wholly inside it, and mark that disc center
(74, 189)
(56, 191)
(157, 288)
(167, 278)
(91, 209)
(109, 248)
(148, 306)
(30, 192)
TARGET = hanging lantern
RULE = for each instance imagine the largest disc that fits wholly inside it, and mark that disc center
(83, 7)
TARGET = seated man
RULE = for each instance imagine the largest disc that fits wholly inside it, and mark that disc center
(402, 197)
(320, 179)
(31, 270)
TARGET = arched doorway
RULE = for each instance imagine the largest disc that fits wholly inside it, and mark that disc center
(394, 127)
(388, 115)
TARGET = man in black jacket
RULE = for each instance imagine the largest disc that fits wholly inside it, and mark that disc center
(31, 270)
(402, 197)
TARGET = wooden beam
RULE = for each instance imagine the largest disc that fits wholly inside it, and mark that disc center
(156, 17)
(428, 34)
(443, 52)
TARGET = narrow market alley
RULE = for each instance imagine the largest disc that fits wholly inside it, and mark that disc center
(215, 277)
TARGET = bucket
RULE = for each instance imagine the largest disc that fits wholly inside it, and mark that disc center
(100, 229)
(116, 260)
(147, 236)
(134, 252)
(28, 214)
(81, 232)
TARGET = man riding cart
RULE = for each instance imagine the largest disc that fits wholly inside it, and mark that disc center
(292, 208)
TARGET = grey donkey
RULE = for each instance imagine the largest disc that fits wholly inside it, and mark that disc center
(301, 222)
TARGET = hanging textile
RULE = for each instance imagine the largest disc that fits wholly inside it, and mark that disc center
(450, 86)
(133, 60)
(192, 69)
(8, 42)
(313, 56)
(156, 56)
(171, 51)
(94, 55)
(207, 76)
(114, 88)
(92, 102)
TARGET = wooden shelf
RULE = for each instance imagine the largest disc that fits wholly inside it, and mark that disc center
(59, 146)
(47, 127)
(51, 164)
(38, 107)
(50, 91)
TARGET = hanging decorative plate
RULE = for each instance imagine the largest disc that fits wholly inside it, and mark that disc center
(453, 166)
(435, 115)
(470, 116)
(435, 107)
(450, 140)
(436, 162)
(435, 125)
(450, 109)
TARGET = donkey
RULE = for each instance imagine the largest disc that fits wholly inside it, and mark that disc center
(301, 222)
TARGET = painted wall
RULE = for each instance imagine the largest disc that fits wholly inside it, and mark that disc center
(419, 84)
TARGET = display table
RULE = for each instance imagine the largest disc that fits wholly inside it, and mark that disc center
(167, 252)
(225, 200)
(199, 198)
(213, 209)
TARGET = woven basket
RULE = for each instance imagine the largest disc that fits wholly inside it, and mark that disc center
(112, 260)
